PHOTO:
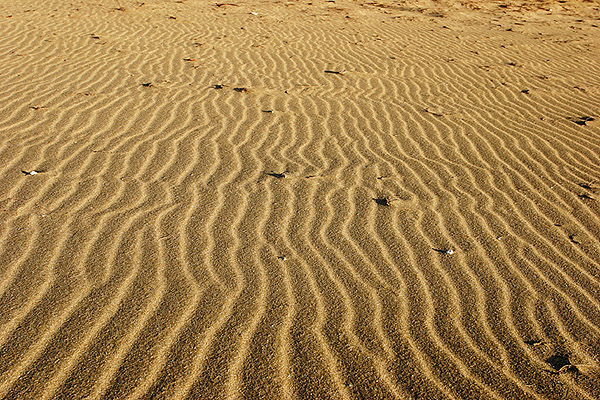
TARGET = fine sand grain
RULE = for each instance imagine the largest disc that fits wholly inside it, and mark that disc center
(299, 200)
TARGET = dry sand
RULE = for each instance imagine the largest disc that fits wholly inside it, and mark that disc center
(257, 200)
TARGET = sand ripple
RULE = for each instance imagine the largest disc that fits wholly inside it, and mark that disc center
(213, 215)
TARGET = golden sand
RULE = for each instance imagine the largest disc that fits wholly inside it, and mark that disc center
(299, 200)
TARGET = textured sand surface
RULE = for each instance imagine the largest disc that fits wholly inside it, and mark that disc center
(258, 200)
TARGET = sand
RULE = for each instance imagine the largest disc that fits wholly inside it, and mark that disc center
(299, 200)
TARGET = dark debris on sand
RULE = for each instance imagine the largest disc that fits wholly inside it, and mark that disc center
(278, 175)
(582, 121)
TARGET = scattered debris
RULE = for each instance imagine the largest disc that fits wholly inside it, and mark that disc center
(240, 89)
(30, 173)
(217, 87)
(383, 201)
(328, 71)
(569, 369)
(534, 342)
(581, 120)
(444, 251)
(435, 114)
(277, 175)
(147, 84)
(585, 196)
(572, 239)
(189, 59)
(36, 107)
(560, 362)
(120, 7)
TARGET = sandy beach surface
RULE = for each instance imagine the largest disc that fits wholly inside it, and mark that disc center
(299, 199)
